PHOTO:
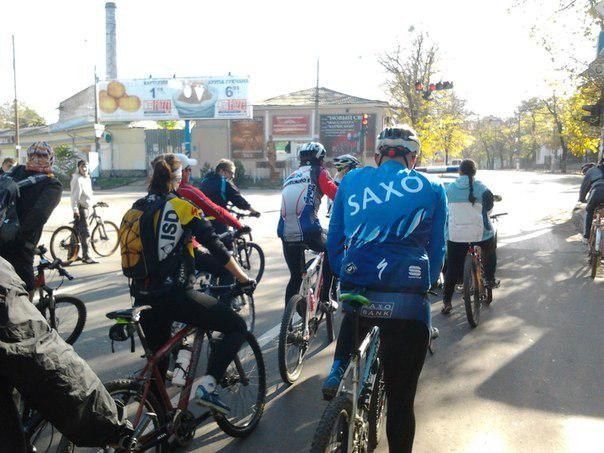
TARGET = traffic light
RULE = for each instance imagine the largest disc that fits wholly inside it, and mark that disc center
(594, 117)
(364, 123)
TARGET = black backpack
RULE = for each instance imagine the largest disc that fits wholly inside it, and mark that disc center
(9, 193)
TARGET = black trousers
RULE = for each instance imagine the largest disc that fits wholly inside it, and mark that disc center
(22, 260)
(456, 255)
(200, 310)
(595, 200)
(11, 430)
(294, 257)
(81, 226)
(403, 347)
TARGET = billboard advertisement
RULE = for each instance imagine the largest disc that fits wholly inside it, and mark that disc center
(341, 134)
(173, 99)
(286, 125)
(247, 138)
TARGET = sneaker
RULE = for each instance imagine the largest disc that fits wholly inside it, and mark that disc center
(492, 283)
(331, 384)
(584, 240)
(211, 400)
(89, 261)
(434, 333)
(331, 306)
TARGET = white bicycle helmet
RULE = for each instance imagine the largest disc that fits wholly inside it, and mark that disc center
(312, 151)
(346, 161)
(398, 141)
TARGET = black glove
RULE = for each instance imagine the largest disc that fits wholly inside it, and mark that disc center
(247, 287)
(244, 230)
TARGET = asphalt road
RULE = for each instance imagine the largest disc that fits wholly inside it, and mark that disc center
(529, 378)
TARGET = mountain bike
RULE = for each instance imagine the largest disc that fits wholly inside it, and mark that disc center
(243, 386)
(248, 254)
(596, 241)
(66, 314)
(474, 290)
(65, 242)
(352, 421)
(302, 317)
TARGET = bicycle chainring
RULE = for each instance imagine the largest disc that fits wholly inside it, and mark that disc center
(184, 428)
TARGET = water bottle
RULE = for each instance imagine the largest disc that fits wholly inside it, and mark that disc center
(182, 366)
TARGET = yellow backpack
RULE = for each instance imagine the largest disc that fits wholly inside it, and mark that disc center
(137, 237)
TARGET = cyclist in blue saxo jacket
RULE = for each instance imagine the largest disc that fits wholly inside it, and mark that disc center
(387, 241)
(299, 227)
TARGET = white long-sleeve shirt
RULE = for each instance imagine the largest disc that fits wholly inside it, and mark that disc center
(81, 192)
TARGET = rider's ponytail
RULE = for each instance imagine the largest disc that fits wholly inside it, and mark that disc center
(468, 168)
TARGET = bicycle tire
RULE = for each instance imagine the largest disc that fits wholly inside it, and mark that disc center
(63, 301)
(131, 387)
(223, 421)
(244, 260)
(94, 241)
(291, 309)
(471, 294)
(340, 408)
(594, 255)
(378, 406)
(71, 251)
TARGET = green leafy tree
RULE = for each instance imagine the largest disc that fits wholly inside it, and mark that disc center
(28, 117)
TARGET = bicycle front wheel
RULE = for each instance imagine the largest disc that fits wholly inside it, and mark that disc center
(105, 238)
(251, 258)
(65, 245)
(471, 291)
(127, 394)
(292, 342)
(332, 433)
(244, 307)
(376, 416)
(69, 316)
(243, 389)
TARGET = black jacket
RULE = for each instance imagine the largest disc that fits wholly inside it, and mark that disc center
(593, 182)
(221, 191)
(35, 204)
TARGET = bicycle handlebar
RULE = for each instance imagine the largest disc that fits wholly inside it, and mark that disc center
(495, 216)
(101, 204)
(234, 290)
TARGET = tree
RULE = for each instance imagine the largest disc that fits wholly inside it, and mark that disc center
(28, 117)
(581, 138)
(169, 124)
(440, 121)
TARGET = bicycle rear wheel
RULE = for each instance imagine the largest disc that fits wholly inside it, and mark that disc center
(292, 344)
(471, 291)
(65, 245)
(105, 238)
(243, 389)
(128, 393)
(70, 316)
(332, 433)
(251, 258)
(594, 254)
(376, 415)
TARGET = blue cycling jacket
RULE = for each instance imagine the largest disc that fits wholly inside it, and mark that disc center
(387, 233)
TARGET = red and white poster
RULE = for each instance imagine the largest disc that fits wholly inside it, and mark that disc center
(287, 125)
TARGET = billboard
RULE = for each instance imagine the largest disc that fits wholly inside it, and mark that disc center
(286, 125)
(247, 138)
(341, 134)
(173, 99)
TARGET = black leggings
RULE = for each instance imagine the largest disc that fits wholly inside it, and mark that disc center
(403, 347)
(456, 255)
(200, 310)
(294, 257)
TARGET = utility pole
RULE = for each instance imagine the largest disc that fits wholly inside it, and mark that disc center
(97, 143)
(317, 125)
(17, 145)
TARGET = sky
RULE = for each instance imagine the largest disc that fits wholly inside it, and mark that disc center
(485, 49)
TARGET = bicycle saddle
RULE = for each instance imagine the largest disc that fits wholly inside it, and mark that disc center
(128, 313)
(356, 300)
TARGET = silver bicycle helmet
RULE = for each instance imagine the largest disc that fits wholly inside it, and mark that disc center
(346, 161)
(312, 151)
(398, 141)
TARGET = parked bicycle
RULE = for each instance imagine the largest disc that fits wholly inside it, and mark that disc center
(65, 242)
(302, 317)
(596, 241)
(352, 421)
(243, 386)
(475, 292)
(66, 314)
